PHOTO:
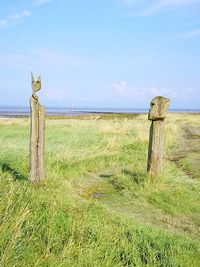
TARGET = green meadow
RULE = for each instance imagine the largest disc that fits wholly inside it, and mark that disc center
(98, 207)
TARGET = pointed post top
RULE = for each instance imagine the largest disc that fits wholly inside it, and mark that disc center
(36, 85)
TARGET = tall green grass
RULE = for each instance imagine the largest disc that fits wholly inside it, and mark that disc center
(97, 207)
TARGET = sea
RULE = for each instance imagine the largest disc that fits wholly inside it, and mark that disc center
(66, 111)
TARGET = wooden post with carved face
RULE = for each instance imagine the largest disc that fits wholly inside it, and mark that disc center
(36, 164)
(157, 114)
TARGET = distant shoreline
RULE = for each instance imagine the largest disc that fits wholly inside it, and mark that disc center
(71, 112)
(8, 114)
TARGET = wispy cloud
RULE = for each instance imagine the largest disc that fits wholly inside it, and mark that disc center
(46, 59)
(20, 17)
(169, 4)
(124, 90)
(3, 22)
(61, 59)
(14, 19)
(42, 2)
(191, 34)
(173, 3)
(130, 1)
(54, 67)
(157, 6)
(56, 94)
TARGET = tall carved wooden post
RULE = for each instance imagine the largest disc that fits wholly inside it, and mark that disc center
(37, 166)
(157, 114)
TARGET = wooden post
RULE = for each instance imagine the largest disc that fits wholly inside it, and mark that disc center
(157, 114)
(37, 166)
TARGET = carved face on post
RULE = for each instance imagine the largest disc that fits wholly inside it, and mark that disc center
(36, 85)
(158, 108)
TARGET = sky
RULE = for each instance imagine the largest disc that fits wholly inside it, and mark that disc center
(100, 53)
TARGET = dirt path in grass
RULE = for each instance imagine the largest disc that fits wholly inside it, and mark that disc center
(105, 188)
(187, 156)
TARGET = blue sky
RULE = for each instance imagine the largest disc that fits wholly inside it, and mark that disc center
(101, 53)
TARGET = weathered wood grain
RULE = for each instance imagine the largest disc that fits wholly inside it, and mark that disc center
(37, 136)
(157, 114)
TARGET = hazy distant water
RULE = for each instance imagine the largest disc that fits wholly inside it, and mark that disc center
(57, 111)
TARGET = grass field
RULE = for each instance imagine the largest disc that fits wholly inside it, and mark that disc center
(98, 207)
